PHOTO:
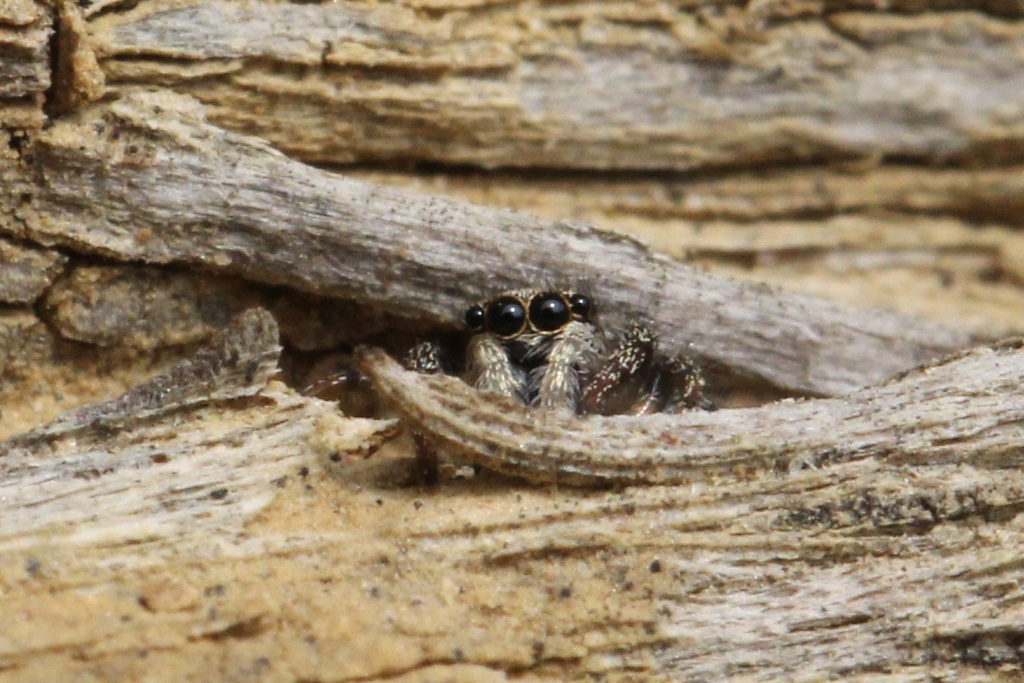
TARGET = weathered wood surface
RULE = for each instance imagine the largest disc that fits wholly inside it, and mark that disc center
(451, 81)
(147, 179)
(587, 84)
(127, 471)
(838, 569)
(26, 271)
(241, 539)
(945, 243)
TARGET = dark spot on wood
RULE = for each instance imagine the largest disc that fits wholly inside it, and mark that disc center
(18, 141)
(91, 473)
(247, 628)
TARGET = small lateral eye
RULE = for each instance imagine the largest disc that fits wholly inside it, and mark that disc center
(548, 312)
(506, 316)
(475, 317)
(579, 304)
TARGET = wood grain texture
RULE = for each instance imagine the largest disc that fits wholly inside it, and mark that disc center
(944, 244)
(140, 307)
(147, 179)
(129, 470)
(27, 271)
(168, 536)
(594, 85)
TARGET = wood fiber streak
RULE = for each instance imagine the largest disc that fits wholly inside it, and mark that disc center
(26, 27)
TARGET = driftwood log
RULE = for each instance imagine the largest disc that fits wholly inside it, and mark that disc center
(175, 170)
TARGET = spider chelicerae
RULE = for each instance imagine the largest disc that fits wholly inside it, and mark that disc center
(545, 349)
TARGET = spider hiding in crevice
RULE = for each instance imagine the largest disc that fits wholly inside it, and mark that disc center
(545, 349)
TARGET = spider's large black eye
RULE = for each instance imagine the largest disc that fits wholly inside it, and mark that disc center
(475, 317)
(579, 304)
(548, 312)
(506, 316)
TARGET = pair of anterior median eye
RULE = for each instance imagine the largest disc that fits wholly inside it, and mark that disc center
(546, 313)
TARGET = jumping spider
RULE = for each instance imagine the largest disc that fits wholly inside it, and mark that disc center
(545, 349)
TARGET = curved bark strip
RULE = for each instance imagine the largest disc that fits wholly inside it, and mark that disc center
(147, 179)
(969, 409)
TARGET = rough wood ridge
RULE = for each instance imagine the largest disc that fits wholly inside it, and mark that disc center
(190, 451)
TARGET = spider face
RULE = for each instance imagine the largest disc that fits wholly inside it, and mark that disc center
(543, 348)
(513, 314)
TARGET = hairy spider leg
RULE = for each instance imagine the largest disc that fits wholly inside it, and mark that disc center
(623, 377)
(491, 369)
(320, 387)
(681, 386)
(568, 357)
(638, 381)
(425, 357)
